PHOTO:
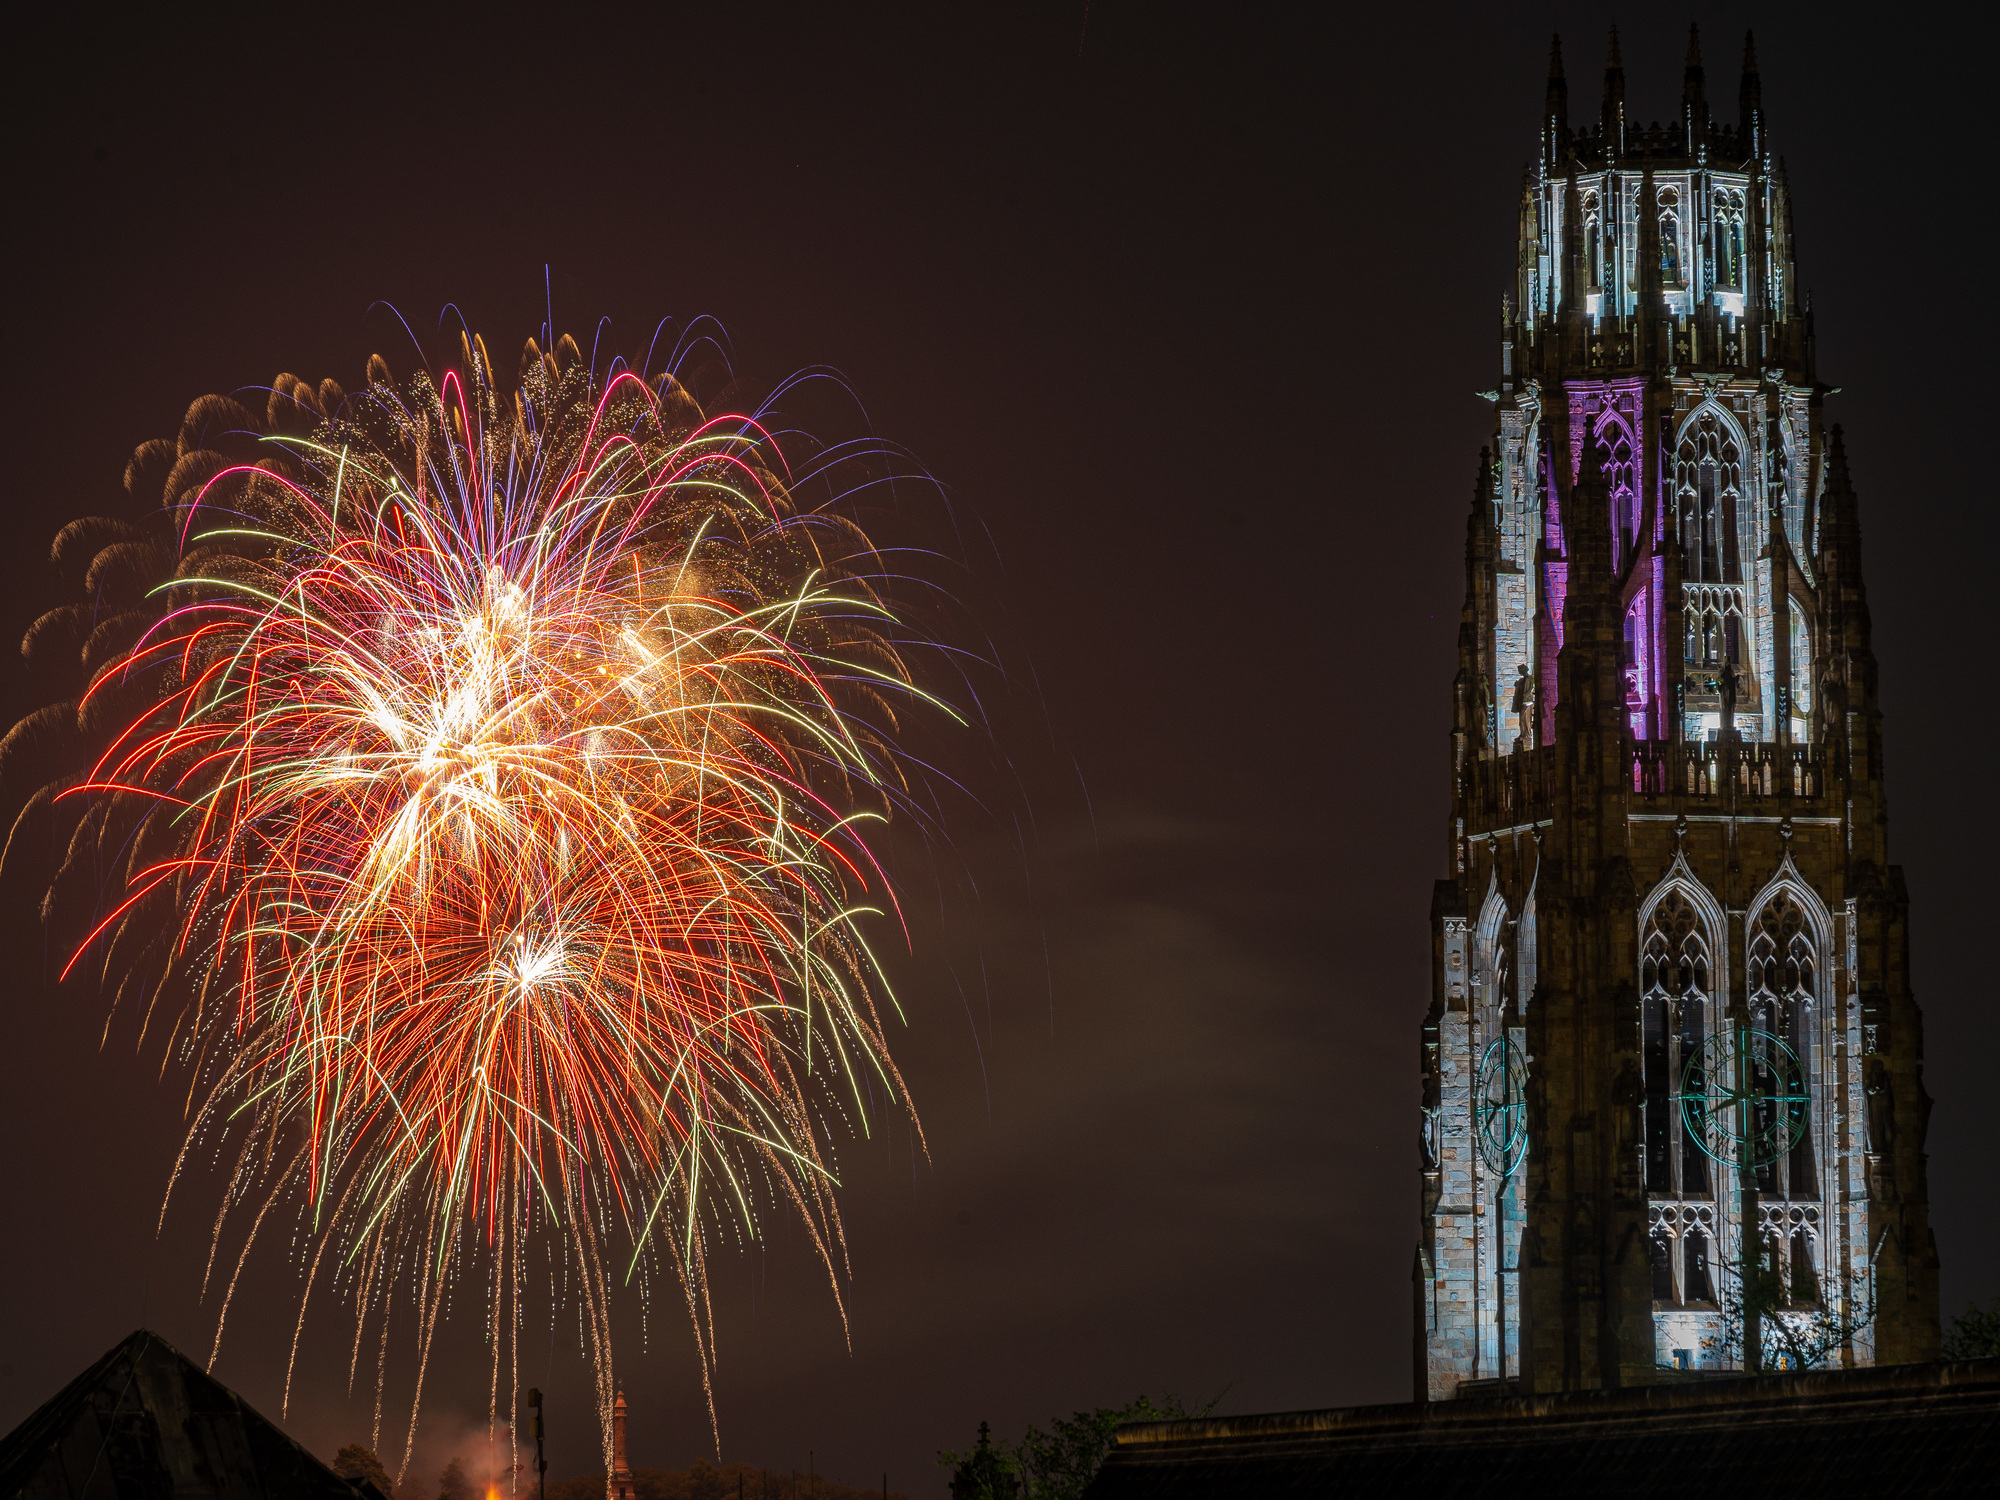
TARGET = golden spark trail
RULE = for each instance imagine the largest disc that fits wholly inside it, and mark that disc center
(488, 775)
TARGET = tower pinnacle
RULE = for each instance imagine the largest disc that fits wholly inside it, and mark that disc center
(1555, 106)
(1750, 98)
(1614, 98)
(1694, 95)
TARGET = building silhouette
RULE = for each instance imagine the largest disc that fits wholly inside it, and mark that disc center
(1673, 1114)
(145, 1421)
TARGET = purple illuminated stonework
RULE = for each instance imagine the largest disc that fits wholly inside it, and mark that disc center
(1667, 833)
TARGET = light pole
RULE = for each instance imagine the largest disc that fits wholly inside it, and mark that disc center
(541, 1464)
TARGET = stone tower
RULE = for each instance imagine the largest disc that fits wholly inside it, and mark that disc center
(619, 1484)
(1674, 1110)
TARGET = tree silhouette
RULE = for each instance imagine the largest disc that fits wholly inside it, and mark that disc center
(359, 1463)
(453, 1485)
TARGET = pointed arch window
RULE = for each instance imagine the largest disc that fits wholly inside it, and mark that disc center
(1707, 535)
(1708, 479)
(1661, 1249)
(1636, 663)
(1668, 201)
(1729, 240)
(1715, 631)
(1592, 248)
(1696, 1283)
(1783, 979)
(1615, 451)
(1675, 964)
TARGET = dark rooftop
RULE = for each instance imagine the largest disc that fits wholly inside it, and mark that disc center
(1902, 1430)
(147, 1421)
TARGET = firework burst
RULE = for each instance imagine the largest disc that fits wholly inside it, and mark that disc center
(490, 778)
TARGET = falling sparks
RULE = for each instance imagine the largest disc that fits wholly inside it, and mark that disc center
(493, 777)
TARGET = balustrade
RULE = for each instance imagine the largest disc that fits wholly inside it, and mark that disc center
(1713, 768)
(1508, 791)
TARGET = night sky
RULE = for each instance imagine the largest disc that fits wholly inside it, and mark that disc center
(1189, 315)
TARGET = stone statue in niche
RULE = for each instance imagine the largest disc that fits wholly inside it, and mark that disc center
(1524, 707)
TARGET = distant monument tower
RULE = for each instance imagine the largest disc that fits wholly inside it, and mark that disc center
(621, 1486)
(1674, 1109)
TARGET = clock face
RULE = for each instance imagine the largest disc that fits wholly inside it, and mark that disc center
(1743, 1097)
(1500, 1105)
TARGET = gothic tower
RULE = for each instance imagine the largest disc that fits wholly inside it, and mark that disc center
(1674, 1111)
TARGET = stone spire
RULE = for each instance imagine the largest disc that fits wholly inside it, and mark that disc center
(1750, 99)
(1555, 106)
(1694, 95)
(1614, 100)
(1849, 630)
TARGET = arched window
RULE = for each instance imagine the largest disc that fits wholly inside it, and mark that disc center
(1708, 478)
(1661, 1249)
(1729, 240)
(1783, 979)
(1708, 535)
(1715, 632)
(1668, 201)
(1615, 447)
(1696, 1283)
(1683, 1239)
(1593, 255)
(1676, 1000)
(1805, 1278)
(1636, 662)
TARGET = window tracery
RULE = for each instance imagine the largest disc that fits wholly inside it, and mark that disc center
(1675, 961)
(1792, 1234)
(1593, 254)
(1715, 628)
(1615, 448)
(1708, 480)
(1729, 239)
(1782, 975)
(1682, 1247)
(1670, 237)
